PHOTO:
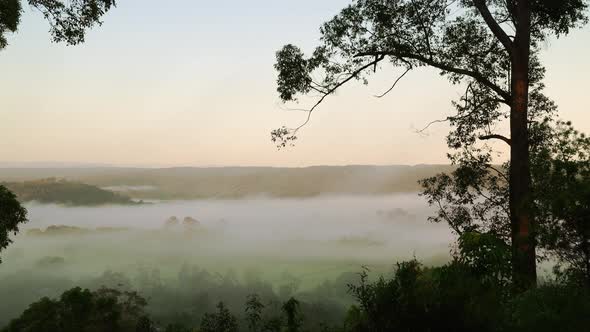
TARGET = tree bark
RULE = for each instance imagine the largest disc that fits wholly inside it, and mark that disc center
(522, 222)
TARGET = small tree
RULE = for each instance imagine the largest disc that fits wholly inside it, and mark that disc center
(254, 312)
(293, 314)
(221, 321)
(12, 214)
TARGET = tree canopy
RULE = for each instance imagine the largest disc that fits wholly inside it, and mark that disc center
(12, 214)
(79, 310)
(68, 20)
(463, 39)
(489, 47)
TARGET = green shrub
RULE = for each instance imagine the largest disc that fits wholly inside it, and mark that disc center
(549, 308)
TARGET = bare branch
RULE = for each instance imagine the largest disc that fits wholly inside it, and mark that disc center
(445, 67)
(378, 58)
(433, 122)
(446, 216)
(394, 83)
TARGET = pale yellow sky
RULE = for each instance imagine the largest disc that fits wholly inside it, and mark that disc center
(198, 88)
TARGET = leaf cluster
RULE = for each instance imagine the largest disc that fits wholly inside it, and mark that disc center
(68, 20)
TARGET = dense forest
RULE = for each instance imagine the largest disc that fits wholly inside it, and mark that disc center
(70, 193)
(240, 182)
(452, 297)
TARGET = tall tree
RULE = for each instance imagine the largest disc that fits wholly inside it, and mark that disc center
(489, 46)
(68, 20)
(474, 198)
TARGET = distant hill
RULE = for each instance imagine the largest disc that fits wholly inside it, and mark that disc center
(65, 192)
(239, 182)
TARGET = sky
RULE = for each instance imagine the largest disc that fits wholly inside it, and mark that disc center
(191, 83)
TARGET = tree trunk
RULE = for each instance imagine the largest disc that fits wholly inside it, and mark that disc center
(585, 231)
(523, 239)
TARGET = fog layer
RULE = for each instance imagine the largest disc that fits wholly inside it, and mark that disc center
(302, 242)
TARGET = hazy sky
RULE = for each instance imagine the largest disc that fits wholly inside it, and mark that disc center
(191, 82)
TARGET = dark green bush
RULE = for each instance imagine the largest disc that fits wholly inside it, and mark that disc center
(80, 310)
(455, 297)
(448, 298)
(552, 307)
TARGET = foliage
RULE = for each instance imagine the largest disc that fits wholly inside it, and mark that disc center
(552, 307)
(454, 297)
(473, 199)
(468, 43)
(12, 214)
(9, 18)
(68, 20)
(254, 312)
(487, 255)
(145, 324)
(177, 328)
(221, 321)
(273, 324)
(562, 174)
(80, 310)
(293, 314)
(463, 40)
(449, 298)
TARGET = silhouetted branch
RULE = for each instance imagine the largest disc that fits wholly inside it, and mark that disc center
(285, 135)
(424, 29)
(433, 122)
(502, 174)
(442, 66)
(493, 25)
(496, 136)
(338, 85)
(394, 83)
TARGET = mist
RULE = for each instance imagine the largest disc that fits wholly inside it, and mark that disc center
(396, 224)
(302, 243)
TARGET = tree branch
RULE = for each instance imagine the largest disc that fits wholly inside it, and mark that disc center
(378, 58)
(424, 29)
(496, 136)
(493, 25)
(420, 131)
(500, 173)
(442, 66)
(394, 83)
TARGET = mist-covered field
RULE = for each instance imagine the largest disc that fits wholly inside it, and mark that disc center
(285, 246)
